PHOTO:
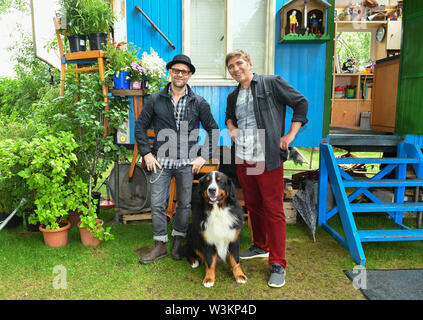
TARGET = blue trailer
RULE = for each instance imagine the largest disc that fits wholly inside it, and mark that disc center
(207, 30)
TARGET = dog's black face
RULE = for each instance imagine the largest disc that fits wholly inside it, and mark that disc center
(217, 188)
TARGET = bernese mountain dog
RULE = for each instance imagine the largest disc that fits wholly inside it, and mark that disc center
(214, 233)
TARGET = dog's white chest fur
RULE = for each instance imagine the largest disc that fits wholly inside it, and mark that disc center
(219, 231)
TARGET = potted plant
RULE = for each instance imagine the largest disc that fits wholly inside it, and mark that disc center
(119, 57)
(92, 231)
(49, 171)
(99, 18)
(137, 75)
(82, 113)
(71, 15)
(155, 68)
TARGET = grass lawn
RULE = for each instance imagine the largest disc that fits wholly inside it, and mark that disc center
(112, 270)
(291, 168)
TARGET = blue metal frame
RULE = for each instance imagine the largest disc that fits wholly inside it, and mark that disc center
(329, 170)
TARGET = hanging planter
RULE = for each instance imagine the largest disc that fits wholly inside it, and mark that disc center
(120, 80)
(56, 237)
(87, 236)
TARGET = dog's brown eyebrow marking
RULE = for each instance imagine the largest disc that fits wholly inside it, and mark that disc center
(208, 178)
(218, 178)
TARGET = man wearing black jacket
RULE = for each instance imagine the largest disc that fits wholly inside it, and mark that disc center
(175, 113)
(255, 117)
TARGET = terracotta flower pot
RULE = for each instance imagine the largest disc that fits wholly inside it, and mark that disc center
(87, 237)
(56, 237)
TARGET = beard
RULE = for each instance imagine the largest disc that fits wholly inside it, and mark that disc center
(179, 83)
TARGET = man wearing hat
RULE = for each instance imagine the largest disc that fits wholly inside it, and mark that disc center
(175, 113)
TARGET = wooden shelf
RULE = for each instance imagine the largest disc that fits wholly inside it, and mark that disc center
(370, 24)
(303, 40)
(127, 92)
(352, 74)
(355, 99)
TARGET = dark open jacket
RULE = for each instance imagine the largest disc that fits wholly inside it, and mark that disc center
(159, 112)
(271, 95)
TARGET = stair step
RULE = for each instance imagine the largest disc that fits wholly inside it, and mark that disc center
(390, 235)
(378, 160)
(386, 207)
(367, 183)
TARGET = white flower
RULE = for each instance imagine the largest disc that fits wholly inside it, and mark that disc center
(154, 65)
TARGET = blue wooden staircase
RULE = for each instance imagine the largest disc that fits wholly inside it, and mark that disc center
(330, 171)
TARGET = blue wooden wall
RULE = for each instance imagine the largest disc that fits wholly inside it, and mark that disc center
(166, 14)
(302, 65)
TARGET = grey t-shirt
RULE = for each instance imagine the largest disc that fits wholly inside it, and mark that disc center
(248, 146)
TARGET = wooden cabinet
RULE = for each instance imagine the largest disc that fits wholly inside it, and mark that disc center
(346, 112)
(393, 35)
(385, 90)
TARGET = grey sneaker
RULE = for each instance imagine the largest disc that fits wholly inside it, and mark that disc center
(253, 252)
(277, 276)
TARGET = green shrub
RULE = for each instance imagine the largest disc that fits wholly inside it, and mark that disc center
(32, 81)
(13, 187)
(49, 171)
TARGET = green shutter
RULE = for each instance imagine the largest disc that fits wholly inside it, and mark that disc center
(409, 116)
(328, 70)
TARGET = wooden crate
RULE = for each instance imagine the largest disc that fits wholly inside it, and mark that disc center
(144, 214)
(290, 212)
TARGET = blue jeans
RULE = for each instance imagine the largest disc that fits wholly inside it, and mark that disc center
(159, 199)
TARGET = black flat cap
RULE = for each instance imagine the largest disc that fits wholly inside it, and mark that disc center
(181, 58)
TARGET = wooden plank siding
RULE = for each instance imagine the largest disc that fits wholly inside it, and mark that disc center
(303, 65)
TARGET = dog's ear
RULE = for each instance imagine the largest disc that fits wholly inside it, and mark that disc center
(232, 190)
(202, 179)
(200, 186)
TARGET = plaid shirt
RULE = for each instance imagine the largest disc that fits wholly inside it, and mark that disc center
(179, 113)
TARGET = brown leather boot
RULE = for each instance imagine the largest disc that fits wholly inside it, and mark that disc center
(159, 251)
(175, 247)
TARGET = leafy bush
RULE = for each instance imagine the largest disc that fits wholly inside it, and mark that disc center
(119, 57)
(13, 132)
(71, 14)
(33, 80)
(99, 16)
(13, 187)
(82, 112)
(49, 171)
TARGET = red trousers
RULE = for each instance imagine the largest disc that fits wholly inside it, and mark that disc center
(263, 193)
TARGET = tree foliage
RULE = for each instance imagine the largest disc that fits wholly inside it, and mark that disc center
(7, 5)
(33, 79)
(354, 45)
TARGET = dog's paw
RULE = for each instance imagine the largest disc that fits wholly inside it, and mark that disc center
(195, 264)
(242, 281)
(208, 284)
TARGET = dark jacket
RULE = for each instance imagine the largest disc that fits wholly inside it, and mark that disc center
(159, 112)
(271, 95)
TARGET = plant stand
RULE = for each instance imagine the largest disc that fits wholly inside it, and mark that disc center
(87, 59)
